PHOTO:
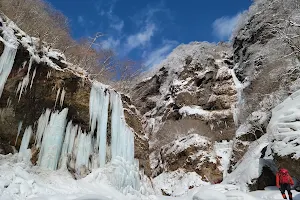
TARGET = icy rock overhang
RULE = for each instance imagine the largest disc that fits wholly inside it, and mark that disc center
(39, 52)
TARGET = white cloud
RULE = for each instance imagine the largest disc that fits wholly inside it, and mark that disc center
(159, 54)
(141, 38)
(102, 12)
(118, 26)
(110, 43)
(81, 20)
(224, 26)
(150, 14)
(114, 21)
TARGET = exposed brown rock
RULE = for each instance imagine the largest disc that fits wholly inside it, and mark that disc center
(6, 149)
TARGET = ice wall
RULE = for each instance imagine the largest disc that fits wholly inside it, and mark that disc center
(122, 142)
(63, 143)
(99, 102)
(53, 137)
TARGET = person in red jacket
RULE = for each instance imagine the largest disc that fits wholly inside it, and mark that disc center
(284, 182)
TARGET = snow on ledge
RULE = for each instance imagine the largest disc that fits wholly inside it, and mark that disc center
(177, 183)
(34, 47)
(198, 111)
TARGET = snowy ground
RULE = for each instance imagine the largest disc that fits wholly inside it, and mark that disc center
(19, 181)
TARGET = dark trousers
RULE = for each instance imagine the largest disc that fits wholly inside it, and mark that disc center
(285, 187)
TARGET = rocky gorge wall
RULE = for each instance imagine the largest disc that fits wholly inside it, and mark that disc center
(200, 95)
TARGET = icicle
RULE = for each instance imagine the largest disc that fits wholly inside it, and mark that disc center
(24, 152)
(62, 97)
(19, 130)
(8, 103)
(24, 64)
(57, 95)
(6, 63)
(42, 125)
(53, 139)
(48, 74)
(19, 88)
(32, 78)
(25, 80)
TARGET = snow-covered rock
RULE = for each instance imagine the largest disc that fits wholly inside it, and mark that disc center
(193, 153)
(190, 93)
(177, 183)
(284, 132)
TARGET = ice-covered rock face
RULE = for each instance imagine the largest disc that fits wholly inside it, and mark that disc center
(41, 93)
(63, 146)
(266, 63)
(284, 131)
(197, 74)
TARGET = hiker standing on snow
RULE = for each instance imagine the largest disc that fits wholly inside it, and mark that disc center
(284, 182)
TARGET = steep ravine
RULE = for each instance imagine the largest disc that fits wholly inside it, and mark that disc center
(205, 111)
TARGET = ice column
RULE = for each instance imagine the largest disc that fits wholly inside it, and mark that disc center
(25, 80)
(42, 125)
(19, 131)
(67, 149)
(122, 138)
(84, 149)
(6, 63)
(99, 100)
(239, 89)
(52, 141)
(24, 153)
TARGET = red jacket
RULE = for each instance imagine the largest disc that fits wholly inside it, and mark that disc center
(278, 180)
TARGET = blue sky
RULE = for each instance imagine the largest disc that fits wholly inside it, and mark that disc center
(147, 31)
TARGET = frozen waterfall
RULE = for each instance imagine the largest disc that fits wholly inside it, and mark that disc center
(54, 141)
(62, 143)
(240, 99)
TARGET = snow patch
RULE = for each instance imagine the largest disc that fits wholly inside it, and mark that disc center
(177, 183)
(249, 167)
(198, 111)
